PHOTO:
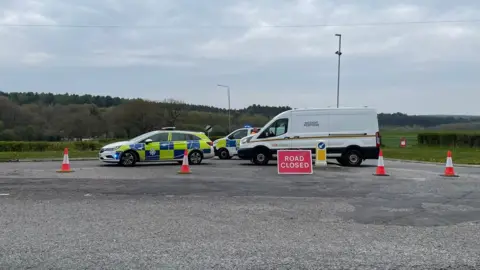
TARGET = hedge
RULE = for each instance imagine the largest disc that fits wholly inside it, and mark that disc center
(213, 138)
(19, 146)
(471, 140)
(49, 146)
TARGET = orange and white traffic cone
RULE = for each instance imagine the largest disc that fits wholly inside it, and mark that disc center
(449, 171)
(185, 169)
(381, 166)
(66, 163)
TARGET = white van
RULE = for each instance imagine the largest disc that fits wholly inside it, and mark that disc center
(352, 135)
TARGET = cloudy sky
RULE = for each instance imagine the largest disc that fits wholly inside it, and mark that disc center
(182, 49)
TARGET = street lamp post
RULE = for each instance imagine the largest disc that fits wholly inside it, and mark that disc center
(339, 53)
(228, 94)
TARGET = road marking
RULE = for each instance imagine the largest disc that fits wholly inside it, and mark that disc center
(438, 173)
(4, 194)
(412, 170)
(418, 179)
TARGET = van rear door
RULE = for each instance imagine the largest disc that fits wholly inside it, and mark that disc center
(352, 127)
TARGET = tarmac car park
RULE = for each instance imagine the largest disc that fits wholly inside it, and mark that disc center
(159, 145)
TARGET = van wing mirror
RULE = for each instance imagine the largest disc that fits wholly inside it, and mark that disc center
(147, 141)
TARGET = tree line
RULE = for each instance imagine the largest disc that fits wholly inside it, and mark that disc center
(51, 117)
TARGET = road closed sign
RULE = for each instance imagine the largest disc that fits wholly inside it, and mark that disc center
(294, 162)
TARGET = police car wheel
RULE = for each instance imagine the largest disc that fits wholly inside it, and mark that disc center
(128, 159)
(195, 157)
(223, 154)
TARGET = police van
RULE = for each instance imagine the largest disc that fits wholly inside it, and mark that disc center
(352, 135)
(226, 147)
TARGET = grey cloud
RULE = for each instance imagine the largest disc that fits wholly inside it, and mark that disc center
(391, 67)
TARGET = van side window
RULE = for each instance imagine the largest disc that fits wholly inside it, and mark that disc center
(276, 129)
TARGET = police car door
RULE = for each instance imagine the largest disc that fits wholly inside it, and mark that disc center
(233, 140)
(152, 150)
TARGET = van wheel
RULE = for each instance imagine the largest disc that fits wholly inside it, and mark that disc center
(352, 158)
(223, 154)
(261, 157)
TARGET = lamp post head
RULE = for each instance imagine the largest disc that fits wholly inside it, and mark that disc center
(338, 35)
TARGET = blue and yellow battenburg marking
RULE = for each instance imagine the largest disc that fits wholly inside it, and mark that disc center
(232, 143)
(224, 142)
(165, 150)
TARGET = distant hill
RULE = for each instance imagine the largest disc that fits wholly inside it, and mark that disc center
(47, 116)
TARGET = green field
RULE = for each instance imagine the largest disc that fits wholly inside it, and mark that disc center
(8, 156)
(392, 149)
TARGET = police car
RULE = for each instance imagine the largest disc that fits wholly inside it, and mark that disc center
(159, 145)
(226, 147)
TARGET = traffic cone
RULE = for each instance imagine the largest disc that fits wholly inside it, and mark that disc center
(185, 169)
(66, 163)
(449, 171)
(380, 166)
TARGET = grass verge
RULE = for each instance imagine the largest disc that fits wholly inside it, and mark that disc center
(434, 154)
(429, 154)
(6, 156)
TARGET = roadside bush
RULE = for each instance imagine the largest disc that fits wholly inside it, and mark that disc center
(213, 138)
(19, 146)
(107, 141)
(449, 139)
(16, 146)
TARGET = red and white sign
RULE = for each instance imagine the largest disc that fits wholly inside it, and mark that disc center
(403, 142)
(294, 162)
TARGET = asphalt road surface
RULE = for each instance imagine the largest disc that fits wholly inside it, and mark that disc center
(234, 215)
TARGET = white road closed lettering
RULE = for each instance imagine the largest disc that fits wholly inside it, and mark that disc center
(295, 165)
(294, 158)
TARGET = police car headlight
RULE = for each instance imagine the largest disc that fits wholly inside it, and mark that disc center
(110, 148)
